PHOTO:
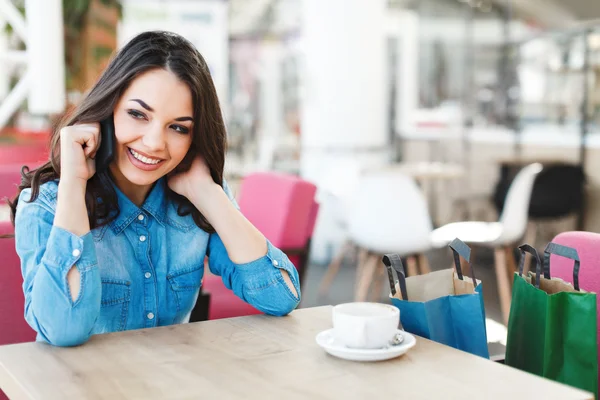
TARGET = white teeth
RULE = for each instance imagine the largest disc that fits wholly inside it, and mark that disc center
(143, 159)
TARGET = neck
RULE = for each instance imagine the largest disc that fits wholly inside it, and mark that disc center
(136, 193)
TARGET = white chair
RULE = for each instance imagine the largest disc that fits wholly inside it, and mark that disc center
(388, 214)
(337, 187)
(502, 235)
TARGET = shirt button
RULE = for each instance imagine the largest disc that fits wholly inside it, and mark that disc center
(141, 217)
(275, 263)
(150, 315)
(76, 253)
(142, 238)
(148, 275)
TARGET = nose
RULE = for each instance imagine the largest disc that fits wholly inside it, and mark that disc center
(154, 139)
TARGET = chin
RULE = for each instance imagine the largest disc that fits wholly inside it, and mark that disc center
(141, 178)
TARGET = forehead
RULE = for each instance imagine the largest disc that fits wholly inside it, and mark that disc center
(163, 91)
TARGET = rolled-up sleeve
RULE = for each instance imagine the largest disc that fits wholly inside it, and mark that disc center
(260, 282)
(47, 254)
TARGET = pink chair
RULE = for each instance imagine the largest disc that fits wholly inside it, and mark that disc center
(283, 208)
(35, 152)
(587, 245)
(13, 327)
(10, 177)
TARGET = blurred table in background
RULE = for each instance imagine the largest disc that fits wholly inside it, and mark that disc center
(424, 171)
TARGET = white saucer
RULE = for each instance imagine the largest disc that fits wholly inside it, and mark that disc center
(327, 341)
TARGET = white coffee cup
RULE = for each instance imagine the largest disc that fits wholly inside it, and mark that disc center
(365, 325)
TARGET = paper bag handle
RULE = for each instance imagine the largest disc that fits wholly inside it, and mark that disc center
(460, 249)
(392, 263)
(563, 251)
(525, 248)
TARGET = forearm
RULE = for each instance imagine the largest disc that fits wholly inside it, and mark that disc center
(71, 212)
(244, 243)
(59, 319)
(71, 215)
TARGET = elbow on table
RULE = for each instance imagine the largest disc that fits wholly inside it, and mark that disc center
(66, 336)
(279, 307)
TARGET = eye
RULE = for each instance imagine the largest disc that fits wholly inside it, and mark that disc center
(180, 129)
(136, 114)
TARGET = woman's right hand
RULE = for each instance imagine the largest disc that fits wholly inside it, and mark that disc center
(78, 147)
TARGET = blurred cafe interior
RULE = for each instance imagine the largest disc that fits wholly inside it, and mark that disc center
(355, 129)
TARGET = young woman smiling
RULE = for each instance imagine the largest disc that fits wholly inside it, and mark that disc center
(124, 248)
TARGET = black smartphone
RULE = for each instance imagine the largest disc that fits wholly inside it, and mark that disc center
(105, 153)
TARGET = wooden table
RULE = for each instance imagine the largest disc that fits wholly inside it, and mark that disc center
(255, 357)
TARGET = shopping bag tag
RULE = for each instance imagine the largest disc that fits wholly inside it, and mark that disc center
(392, 263)
(563, 251)
(460, 249)
(525, 248)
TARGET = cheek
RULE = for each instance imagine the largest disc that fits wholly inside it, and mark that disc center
(179, 146)
(126, 130)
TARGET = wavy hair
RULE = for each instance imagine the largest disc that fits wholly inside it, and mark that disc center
(145, 52)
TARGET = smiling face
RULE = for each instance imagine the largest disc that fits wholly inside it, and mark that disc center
(153, 129)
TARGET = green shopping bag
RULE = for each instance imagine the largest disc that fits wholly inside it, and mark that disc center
(552, 324)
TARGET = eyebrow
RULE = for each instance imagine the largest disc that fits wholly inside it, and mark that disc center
(143, 104)
(147, 107)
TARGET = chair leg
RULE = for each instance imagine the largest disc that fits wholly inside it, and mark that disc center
(333, 268)
(363, 256)
(423, 264)
(503, 283)
(511, 263)
(411, 266)
(364, 281)
(375, 294)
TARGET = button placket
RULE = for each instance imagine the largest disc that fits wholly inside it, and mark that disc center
(147, 272)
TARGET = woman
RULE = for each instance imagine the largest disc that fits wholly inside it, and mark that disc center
(124, 248)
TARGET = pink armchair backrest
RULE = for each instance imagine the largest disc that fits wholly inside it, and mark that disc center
(587, 245)
(280, 206)
(10, 177)
(13, 327)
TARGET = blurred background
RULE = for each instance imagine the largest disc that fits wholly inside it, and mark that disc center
(456, 95)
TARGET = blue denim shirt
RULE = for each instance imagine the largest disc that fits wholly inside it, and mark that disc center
(142, 270)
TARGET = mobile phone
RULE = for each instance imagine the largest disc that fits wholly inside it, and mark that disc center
(105, 153)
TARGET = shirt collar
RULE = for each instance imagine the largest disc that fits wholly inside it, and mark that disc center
(155, 205)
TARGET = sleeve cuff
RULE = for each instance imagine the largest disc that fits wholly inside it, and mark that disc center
(65, 249)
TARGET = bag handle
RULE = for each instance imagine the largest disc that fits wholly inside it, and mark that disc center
(460, 249)
(525, 248)
(563, 251)
(392, 263)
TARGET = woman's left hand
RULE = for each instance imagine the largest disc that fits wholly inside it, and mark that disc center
(193, 181)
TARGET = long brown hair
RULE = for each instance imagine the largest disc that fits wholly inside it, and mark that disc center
(147, 51)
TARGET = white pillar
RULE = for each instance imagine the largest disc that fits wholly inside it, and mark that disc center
(46, 56)
(4, 64)
(345, 96)
(344, 109)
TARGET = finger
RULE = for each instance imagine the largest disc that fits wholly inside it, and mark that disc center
(91, 126)
(89, 143)
(91, 166)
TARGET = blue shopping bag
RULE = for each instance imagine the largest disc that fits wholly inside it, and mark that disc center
(441, 306)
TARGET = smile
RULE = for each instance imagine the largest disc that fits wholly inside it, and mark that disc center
(144, 159)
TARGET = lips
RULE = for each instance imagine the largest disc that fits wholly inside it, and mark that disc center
(143, 162)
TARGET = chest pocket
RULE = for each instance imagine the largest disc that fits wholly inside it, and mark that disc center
(184, 289)
(114, 307)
